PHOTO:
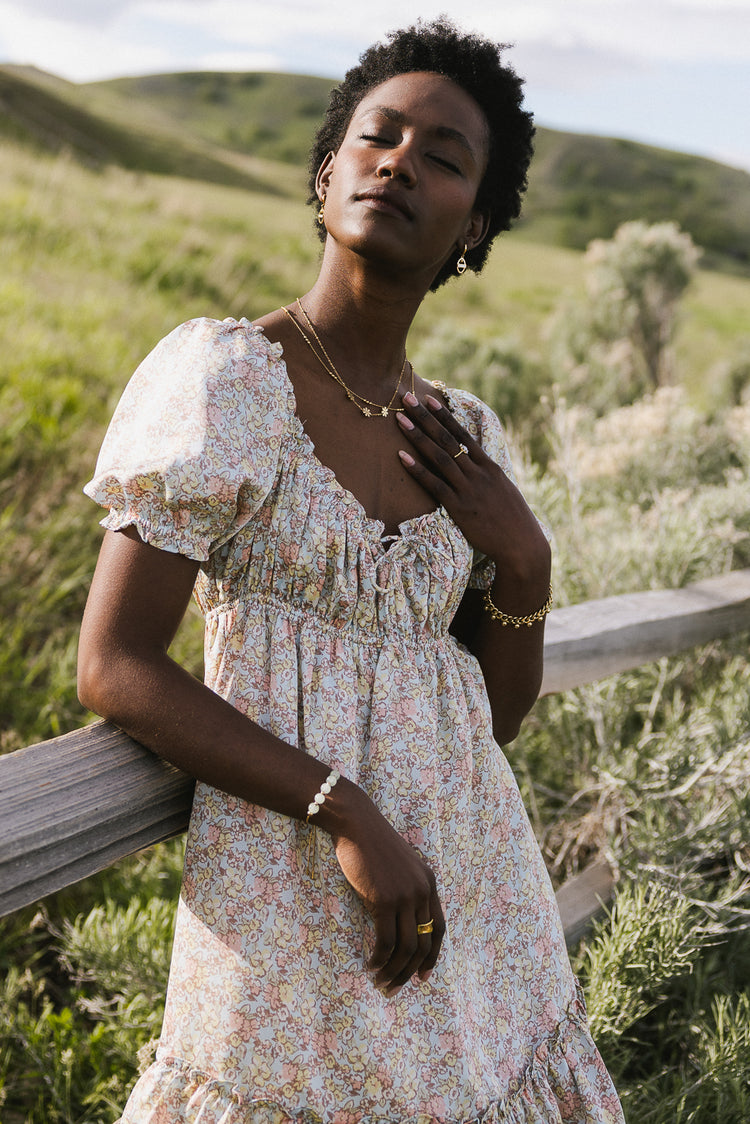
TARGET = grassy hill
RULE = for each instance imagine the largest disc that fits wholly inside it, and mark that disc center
(583, 187)
(268, 115)
(253, 130)
(103, 128)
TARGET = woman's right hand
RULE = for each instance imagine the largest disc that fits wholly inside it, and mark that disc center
(398, 889)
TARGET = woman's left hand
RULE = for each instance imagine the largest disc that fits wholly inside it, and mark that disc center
(486, 506)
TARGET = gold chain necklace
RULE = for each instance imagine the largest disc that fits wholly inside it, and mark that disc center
(363, 404)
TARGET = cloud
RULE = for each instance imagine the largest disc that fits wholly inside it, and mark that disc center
(94, 13)
(73, 51)
(320, 36)
(585, 61)
(575, 66)
(239, 61)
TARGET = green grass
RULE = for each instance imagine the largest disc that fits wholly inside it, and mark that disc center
(580, 187)
(83, 980)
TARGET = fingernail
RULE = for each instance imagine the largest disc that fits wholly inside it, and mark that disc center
(410, 399)
(391, 991)
(433, 402)
(406, 458)
(427, 975)
(404, 421)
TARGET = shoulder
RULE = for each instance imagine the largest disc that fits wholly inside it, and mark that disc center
(228, 364)
(475, 415)
(216, 346)
(466, 405)
(481, 421)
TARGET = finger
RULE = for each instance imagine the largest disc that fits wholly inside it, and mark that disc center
(440, 453)
(422, 944)
(385, 942)
(438, 932)
(436, 445)
(449, 422)
(434, 485)
(428, 435)
(439, 423)
(395, 972)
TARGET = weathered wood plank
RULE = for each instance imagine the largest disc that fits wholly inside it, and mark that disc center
(587, 642)
(583, 898)
(72, 806)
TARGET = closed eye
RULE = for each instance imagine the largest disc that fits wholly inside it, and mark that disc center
(376, 139)
(446, 164)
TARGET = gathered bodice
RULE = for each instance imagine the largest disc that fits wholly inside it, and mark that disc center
(313, 549)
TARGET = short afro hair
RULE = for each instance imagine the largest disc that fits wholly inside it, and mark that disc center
(474, 64)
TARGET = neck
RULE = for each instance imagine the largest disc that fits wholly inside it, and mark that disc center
(363, 320)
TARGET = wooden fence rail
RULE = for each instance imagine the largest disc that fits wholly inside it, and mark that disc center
(74, 805)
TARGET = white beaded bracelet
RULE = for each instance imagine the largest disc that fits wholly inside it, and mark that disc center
(314, 807)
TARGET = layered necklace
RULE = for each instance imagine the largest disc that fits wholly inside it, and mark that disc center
(365, 405)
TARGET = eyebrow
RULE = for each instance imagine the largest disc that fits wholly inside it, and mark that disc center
(444, 132)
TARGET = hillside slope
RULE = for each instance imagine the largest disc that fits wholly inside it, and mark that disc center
(268, 115)
(51, 114)
(583, 187)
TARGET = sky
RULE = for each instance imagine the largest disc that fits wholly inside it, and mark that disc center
(674, 73)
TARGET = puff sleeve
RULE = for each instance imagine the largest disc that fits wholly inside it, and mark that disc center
(193, 447)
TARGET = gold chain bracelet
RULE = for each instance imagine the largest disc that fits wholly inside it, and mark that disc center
(506, 618)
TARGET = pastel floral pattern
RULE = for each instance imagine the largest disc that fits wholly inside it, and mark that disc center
(336, 639)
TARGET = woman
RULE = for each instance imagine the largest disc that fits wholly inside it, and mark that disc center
(366, 931)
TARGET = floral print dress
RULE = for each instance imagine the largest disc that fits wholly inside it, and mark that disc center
(335, 638)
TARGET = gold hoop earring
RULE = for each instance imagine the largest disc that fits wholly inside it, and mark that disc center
(322, 212)
(461, 263)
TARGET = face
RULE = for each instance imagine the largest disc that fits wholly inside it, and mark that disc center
(402, 187)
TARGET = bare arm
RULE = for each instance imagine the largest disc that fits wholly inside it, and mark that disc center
(138, 597)
(511, 659)
(496, 519)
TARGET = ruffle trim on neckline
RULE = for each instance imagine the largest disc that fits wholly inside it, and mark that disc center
(565, 1080)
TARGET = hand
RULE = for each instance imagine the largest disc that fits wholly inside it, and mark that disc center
(486, 506)
(398, 889)
(494, 517)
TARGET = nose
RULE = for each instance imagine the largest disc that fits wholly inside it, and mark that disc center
(397, 163)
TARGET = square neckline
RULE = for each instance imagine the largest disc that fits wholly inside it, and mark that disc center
(406, 527)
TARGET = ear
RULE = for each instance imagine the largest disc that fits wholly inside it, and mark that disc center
(476, 231)
(323, 177)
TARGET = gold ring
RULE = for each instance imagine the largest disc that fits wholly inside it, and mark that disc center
(461, 449)
(426, 928)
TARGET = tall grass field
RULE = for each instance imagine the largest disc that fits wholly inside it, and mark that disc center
(649, 769)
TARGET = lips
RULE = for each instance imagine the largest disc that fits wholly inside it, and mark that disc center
(386, 200)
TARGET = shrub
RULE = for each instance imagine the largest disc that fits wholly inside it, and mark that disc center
(617, 343)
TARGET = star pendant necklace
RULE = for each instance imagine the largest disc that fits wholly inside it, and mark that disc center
(365, 405)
